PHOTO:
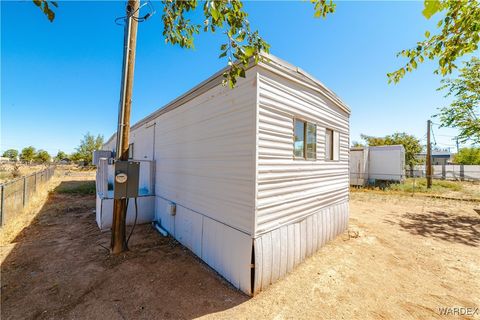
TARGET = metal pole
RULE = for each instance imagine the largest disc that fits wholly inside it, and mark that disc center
(2, 203)
(429, 157)
(24, 191)
(118, 239)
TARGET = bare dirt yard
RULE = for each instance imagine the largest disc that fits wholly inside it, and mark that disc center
(402, 258)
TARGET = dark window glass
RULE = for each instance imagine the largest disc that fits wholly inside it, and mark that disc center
(299, 141)
(311, 141)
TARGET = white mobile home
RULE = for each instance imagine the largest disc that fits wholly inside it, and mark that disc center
(258, 174)
(370, 165)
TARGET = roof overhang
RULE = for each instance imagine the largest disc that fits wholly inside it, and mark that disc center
(269, 62)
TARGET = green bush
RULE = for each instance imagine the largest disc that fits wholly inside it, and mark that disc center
(76, 187)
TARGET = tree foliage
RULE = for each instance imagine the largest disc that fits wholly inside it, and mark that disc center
(61, 155)
(46, 8)
(28, 154)
(468, 156)
(459, 35)
(241, 44)
(410, 143)
(12, 154)
(42, 156)
(89, 143)
(463, 112)
(357, 144)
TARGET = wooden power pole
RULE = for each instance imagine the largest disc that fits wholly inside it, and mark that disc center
(429, 156)
(118, 241)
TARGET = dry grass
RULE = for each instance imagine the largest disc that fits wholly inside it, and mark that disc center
(23, 219)
(418, 187)
(11, 171)
(402, 257)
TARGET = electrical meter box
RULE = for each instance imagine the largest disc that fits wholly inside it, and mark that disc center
(126, 179)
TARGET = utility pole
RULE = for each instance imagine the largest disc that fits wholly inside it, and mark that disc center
(458, 145)
(429, 156)
(118, 241)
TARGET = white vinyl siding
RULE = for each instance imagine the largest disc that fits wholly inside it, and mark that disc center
(289, 190)
(226, 159)
(205, 154)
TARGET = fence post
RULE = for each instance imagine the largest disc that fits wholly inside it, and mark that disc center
(444, 172)
(24, 191)
(2, 203)
(413, 187)
(462, 172)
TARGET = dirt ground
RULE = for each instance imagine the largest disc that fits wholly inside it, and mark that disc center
(402, 258)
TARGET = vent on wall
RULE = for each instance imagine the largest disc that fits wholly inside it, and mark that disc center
(172, 208)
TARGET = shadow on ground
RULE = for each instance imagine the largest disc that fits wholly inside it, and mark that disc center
(58, 268)
(443, 226)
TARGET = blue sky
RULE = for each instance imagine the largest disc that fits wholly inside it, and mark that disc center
(62, 79)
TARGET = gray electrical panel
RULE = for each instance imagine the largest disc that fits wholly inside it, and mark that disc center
(126, 179)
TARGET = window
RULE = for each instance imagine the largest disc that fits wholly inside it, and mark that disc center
(130, 151)
(298, 144)
(305, 140)
(311, 141)
(328, 144)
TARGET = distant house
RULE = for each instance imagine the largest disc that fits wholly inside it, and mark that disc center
(439, 157)
(4, 159)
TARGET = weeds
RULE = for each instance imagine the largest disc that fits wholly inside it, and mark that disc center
(76, 188)
(420, 185)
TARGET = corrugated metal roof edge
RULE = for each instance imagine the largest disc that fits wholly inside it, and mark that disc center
(215, 79)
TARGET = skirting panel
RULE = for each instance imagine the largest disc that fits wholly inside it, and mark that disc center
(104, 211)
(227, 250)
(281, 250)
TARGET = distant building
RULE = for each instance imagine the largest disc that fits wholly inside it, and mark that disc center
(4, 159)
(439, 157)
(377, 164)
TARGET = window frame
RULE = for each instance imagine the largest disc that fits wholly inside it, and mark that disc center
(333, 150)
(305, 125)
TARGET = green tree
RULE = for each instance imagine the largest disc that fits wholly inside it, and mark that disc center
(241, 44)
(357, 144)
(468, 156)
(463, 112)
(42, 156)
(459, 31)
(89, 143)
(410, 143)
(12, 154)
(28, 154)
(459, 35)
(61, 155)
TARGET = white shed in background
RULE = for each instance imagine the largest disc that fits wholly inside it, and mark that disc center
(370, 165)
(258, 174)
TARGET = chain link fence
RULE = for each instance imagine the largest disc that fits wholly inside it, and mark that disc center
(458, 185)
(454, 172)
(15, 194)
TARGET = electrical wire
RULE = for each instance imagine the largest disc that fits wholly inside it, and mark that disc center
(433, 135)
(134, 222)
(138, 19)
